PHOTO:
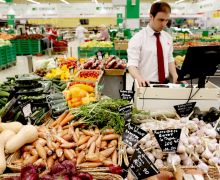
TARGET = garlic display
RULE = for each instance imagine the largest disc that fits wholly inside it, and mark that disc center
(173, 159)
(159, 163)
(203, 167)
(158, 153)
(181, 148)
(207, 154)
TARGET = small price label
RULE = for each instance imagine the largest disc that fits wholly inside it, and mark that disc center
(141, 166)
(125, 112)
(132, 134)
(168, 139)
(183, 110)
(126, 94)
(27, 110)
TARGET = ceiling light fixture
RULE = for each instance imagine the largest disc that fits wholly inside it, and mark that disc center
(35, 2)
(3, 1)
(64, 1)
(179, 1)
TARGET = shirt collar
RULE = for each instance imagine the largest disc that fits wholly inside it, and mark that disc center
(150, 31)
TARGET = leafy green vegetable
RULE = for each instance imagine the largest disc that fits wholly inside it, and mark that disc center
(104, 114)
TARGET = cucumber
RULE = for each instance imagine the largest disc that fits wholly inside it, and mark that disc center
(17, 116)
(2, 102)
(58, 106)
(4, 94)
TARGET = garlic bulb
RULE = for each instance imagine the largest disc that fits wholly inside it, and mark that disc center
(188, 162)
(193, 140)
(212, 146)
(183, 156)
(181, 148)
(214, 161)
(150, 156)
(158, 153)
(173, 159)
(130, 150)
(203, 167)
(159, 163)
(207, 154)
(211, 133)
(199, 149)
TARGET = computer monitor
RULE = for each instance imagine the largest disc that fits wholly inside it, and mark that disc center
(200, 61)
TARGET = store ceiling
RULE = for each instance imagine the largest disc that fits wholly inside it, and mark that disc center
(83, 1)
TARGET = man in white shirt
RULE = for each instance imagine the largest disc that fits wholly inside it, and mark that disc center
(80, 30)
(150, 51)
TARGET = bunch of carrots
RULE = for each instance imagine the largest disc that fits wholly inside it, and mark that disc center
(89, 147)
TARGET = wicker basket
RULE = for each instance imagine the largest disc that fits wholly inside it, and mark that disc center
(17, 168)
(114, 72)
(96, 175)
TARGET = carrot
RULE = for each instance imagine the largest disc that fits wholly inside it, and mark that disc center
(59, 152)
(54, 156)
(107, 152)
(108, 131)
(39, 162)
(103, 144)
(55, 145)
(34, 152)
(68, 154)
(27, 148)
(107, 162)
(77, 132)
(80, 157)
(114, 157)
(18, 161)
(50, 162)
(77, 123)
(110, 137)
(92, 148)
(25, 154)
(97, 130)
(60, 118)
(93, 157)
(92, 139)
(83, 146)
(30, 160)
(62, 158)
(82, 140)
(48, 151)
(41, 151)
(90, 165)
(88, 133)
(61, 140)
(49, 144)
(64, 132)
(98, 141)
(113, 143)
(68, 145)
(75, 138)
(67, 119)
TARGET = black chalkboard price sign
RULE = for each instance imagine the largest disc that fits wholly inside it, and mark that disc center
(132, 134)
(141, 166)
(125, 112)
(183, 110)
(168, 139)
(217, 126)
(126, 94)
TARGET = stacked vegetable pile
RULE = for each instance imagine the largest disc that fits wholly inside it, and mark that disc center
(114, 62)
(88, 75)
(92, 44)
(58, 85)
(92, 63)
(80, 93)
(198, 144)
(70, 62)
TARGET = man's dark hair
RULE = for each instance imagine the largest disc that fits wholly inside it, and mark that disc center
(160, 7)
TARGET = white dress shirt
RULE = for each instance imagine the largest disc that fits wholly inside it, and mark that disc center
(142, 53)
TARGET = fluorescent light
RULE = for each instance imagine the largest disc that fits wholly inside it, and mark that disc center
(64, 1)
(33, 1)
(3, 1)
(179, 1)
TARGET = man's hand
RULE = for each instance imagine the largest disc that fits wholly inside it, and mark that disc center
(174, 78)
(143, 83)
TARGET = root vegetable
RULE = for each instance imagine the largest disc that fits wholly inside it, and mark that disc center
(41, 151)
(199, 149)
(80, 157)
(203, 167)
(50, 162)
(206, 154)
(40, 141)
(82, 140)
(157, 153)
(183, 156)
(59, 152)
(92, 148)
(173, 159)
(30, 160)
(181, 148)
(107, 152)
(110, 137)
(98, 141)
(103, 145)
(91, 140)
(188, 162)
(68, 154)
(49, 152)
(113, 143)
(13, 126)
(114, 157)
(83, 146)
(88, 133)
(90, 165)
(68, 145)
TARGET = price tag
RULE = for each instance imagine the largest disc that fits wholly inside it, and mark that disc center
(217, 126)
(125, 112)
(126, 94)
(183, 110)
(141, 166)
(168, 139)
(132, 134)
(27, 110)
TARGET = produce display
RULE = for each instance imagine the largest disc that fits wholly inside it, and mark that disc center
(6, 36)
(70, 62)
(88, 75)
(80, 93)
(198, 145)
(92, 44)
(113, 62)
(31, 36)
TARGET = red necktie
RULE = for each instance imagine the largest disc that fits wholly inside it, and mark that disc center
(160, 60)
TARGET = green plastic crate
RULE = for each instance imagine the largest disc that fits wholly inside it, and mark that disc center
(3, 58)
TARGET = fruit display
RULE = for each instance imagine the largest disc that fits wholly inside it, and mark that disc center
(114, 62)
(92, 44)
(92, 63)
(62, 73)
(30, 36)
(6, 36)
(79, 94)
(88, 75)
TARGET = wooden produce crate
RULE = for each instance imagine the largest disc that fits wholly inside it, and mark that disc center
(115, 72)
(121, 45)
(154, 98)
